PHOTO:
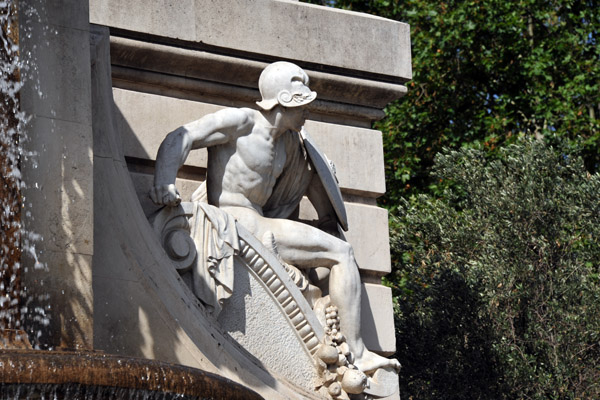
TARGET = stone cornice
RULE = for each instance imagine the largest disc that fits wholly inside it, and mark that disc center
(168, 69)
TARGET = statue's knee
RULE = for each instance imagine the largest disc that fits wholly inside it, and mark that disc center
(346, 252)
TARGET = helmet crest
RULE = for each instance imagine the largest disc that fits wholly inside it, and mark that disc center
(286, 84)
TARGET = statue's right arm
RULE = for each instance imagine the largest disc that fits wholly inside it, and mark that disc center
(210, 130)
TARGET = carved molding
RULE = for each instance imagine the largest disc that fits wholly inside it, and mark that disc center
(152, 67)
(274, 277)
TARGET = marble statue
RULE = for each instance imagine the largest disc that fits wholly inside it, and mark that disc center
(260, 165)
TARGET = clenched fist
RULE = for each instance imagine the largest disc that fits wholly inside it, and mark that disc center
(165, 195)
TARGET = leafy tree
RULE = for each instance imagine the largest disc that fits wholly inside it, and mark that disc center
(496, 255)
(484, 72)
(498, 291)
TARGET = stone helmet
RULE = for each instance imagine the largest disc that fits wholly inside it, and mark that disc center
(286, 84)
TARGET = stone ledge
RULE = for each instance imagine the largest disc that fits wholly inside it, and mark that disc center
(236, 71)
(320, 35)
(228, 95)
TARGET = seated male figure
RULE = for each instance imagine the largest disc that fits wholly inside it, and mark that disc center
(258, 172)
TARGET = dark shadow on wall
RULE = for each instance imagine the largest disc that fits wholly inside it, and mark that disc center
(129, 317)
(125, 316)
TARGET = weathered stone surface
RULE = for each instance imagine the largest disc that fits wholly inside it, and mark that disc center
(60, 177)
(172, 18)
(65, 13)
(144, 120)
(59, 86)
(357, 154)
(66, 285)
(369, 237)
(210, 22)
(378, 319)
(255, 321)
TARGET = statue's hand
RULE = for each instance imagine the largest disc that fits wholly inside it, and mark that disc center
(165, 195)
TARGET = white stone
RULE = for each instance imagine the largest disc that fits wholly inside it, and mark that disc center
(144, 118)
(378, 318)
(54, 42)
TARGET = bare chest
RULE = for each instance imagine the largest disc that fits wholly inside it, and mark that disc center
(263, 155)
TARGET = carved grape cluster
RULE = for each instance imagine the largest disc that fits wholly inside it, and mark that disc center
(339, 377)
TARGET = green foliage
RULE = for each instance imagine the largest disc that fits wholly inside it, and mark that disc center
(485, 71)
(497, 281)
(496, 254)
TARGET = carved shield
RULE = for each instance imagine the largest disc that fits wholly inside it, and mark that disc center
(328, 179)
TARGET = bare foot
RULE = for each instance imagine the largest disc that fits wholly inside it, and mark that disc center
(370, 361)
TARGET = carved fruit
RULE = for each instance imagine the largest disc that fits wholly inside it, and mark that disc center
(344, 349)
(354, 381)
(335, 389)
(327, 353)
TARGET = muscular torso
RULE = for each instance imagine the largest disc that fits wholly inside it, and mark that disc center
(243, 171)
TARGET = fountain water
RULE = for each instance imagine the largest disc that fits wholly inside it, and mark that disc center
(12, 122)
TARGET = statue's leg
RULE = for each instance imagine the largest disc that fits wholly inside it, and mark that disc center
(307, 247)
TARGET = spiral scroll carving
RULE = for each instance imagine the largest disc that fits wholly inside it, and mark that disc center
(173, 228)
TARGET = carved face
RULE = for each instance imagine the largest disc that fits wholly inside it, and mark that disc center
(295, 117)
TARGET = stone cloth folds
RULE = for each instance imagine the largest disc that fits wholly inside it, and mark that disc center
(216, 239)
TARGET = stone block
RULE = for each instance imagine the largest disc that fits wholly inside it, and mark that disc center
(145, 119)
(128, 308)
(367, 233)
(65, 13)
(169, 18)
(357, 154)
(59, 199)
(63, 288)
(320, 35)
(377, 319)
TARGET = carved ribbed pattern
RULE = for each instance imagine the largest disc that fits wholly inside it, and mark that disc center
(294, 313)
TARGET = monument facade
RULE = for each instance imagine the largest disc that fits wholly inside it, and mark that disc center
(123, 271)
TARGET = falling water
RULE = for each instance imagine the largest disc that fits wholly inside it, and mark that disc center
(17, 243)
